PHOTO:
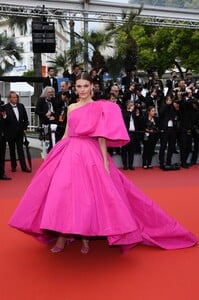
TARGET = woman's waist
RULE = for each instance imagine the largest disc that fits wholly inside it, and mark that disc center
(79, 136)
(82, 137)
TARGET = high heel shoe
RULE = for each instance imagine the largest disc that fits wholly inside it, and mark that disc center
(57, 249)
(85, 247)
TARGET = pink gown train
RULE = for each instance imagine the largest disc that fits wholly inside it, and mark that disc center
(73, 193)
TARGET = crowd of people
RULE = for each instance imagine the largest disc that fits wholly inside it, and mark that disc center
(164, 114)
(153, 112)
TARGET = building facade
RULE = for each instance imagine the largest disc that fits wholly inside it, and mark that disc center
(23, 39)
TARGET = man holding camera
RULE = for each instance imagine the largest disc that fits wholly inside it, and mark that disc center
(172, 83)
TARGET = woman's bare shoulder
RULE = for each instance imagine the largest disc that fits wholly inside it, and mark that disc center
(72, 106)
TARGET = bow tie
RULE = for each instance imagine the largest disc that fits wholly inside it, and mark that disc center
(14, 106)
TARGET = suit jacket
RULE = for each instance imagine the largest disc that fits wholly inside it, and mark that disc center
(1, 122)
(171, 84)
(14, 127)
(47, 82)
(137, 120)
(167, 113)
(42, 108)
(147, 124)
(1, 127)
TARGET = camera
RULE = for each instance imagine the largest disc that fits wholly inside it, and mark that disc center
(67, 94)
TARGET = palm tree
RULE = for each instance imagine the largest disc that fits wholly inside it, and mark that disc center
(126, 57)
(9, 53)
(96, 41)
(128, 52)
(61, 61)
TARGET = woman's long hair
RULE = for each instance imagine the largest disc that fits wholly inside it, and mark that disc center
(45, 91)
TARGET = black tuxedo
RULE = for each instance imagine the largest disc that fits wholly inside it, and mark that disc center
(54, 84)
(129, 149)
(14, 133)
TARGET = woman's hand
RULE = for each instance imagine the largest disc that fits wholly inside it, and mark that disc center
(103, 147)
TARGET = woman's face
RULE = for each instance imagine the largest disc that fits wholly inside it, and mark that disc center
(83, 89)
(130, 107)
(50, 94)
(152, 112)
(168, 100)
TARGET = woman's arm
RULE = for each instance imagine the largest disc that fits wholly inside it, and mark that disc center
(103, 147)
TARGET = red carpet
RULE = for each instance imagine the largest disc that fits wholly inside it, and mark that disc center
(29, 271)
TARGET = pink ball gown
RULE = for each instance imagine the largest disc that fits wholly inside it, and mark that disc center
(72, 192)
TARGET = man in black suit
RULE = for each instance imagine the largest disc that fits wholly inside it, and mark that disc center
(168, 116)
(50, 80)
(131, 77)
(76, 71)
(2, 145)
(172, 83)
(16, 122)
(132, 120)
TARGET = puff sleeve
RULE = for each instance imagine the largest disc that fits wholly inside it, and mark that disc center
(104, 119)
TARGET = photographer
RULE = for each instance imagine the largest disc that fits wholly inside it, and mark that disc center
(130, 94)
(151, 128)
(153, 100)
(195, 132)
(132, 120)
(172, 83)
(187, 125)
(168, 116)
(189, 80)
(181, 90)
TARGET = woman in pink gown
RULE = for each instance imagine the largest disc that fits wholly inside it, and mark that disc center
(79, 191)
